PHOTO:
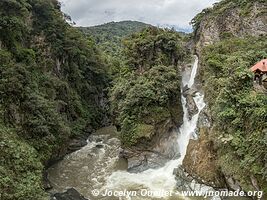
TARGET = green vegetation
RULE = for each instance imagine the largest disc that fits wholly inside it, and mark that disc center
(109, 38)
(239, 110)
(148, 92)
(221, 8)
(51, 78)
(146, 86)
(21, 169)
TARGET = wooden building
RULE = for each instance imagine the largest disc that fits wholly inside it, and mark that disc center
(260, 71)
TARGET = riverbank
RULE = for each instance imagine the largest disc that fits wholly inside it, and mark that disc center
(96, 166)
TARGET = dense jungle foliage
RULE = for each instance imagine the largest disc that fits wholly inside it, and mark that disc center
(238, 108)
(148, 92)
(109, 37)
(51, 80)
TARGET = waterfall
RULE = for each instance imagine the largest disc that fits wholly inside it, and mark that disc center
(93, 166)
(162, 178)
(193, 73)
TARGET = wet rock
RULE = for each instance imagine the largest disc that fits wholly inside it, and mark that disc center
(189, 91)
(137, 164)
(204, 119)
(76, 144)
(46, 183)
(185, 182)
(99, 146)
(189, 94)
(180, 174)
(200, 160)
(99, 140)
(70, 194)
(232, 183)
(191, 106)
(185, 89)
(145, 161)
(179, 183)
(160, 150)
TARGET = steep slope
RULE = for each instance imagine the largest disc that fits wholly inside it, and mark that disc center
(114, 29)
(230, 38)
(145, 98)
(110, 35)
(109, 38)
(152, 58)
(230, 18)
(51, 82)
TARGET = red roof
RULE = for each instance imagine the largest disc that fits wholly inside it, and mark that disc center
(262, 66)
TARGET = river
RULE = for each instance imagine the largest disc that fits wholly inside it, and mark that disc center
(97, 167)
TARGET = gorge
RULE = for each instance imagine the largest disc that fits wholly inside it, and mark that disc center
(128, 106)
(107, 156)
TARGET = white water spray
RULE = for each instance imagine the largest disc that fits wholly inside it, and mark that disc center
(193, 73)
(162, 178)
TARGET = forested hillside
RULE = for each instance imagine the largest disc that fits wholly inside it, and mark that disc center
(114, 30)
(58, 82)
(110, 35)
(51, 81)
(238, 110)
(237, 107)
(147, 94)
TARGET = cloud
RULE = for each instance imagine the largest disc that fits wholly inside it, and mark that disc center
(156, 12)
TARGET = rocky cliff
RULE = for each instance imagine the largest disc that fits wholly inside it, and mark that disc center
(146, 99)
(229, 39)
(230, 18)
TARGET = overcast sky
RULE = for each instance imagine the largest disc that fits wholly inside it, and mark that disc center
(156, 12)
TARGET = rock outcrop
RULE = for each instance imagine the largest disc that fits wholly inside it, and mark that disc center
(229, 19)
(189, 94)
(225, 19)
(70, 194)
(155, 152)
(200, 159)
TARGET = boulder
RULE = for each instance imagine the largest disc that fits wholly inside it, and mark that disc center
(191, 106)
(161, 149)
(76, 144)
(70, 194)
(200, 160)
(232, 183)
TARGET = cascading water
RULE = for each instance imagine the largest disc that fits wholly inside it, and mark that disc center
(96, 165)
(162, 178)
(193, 73)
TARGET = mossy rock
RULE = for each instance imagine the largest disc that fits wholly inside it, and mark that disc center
(144, 130)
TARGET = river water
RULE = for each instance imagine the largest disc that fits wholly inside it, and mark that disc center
(97, 167)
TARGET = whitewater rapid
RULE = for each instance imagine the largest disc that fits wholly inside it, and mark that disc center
(163, 178)
(98, 166)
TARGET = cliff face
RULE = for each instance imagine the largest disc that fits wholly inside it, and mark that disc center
(51, 88)
(230, 19)
(146, 99)
(229, 39)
